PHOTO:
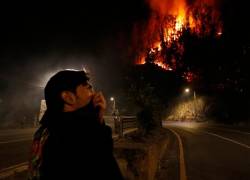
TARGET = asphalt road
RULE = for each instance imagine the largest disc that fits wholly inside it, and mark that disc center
(209, 152)
(14, 146)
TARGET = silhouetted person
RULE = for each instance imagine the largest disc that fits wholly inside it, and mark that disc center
(73, 141)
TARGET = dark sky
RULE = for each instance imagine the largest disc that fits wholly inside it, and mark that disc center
(40, 38)
(66, 26)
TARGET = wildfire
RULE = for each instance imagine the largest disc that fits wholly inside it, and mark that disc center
(161, 42)
(189, 76)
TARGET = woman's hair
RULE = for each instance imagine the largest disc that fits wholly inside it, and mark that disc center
(63, 80)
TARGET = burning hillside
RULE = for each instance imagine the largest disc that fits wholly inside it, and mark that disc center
(161, 40)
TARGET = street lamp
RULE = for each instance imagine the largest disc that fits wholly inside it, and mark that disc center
(113, 99)
(118, 126)
(187, 90)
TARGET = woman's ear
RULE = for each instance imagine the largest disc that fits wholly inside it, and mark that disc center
(68, 97)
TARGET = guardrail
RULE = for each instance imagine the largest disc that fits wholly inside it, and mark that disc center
(121, 125)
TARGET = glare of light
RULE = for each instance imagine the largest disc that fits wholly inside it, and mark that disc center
(71, 69)
(45, 78)
(187, 90)
(219, 33)
(112, 99)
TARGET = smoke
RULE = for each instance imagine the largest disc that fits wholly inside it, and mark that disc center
(167, 7)
(170, 7)
(23, 80)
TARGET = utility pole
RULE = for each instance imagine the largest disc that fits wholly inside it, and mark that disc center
(187, 91)
(117, 119)
(195, 111)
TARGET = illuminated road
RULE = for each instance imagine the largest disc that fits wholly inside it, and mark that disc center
(208, 153)
(194, 152)
(14, 146)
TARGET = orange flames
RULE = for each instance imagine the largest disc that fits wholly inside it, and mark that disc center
(160, 43)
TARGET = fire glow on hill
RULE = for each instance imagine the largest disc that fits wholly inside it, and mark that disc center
(161, 41)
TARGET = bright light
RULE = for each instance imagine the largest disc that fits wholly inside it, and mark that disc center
(219, 33)
(112, 99)
(187, 90)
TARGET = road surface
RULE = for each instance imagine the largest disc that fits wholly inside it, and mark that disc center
(14, 146)
(206, 152)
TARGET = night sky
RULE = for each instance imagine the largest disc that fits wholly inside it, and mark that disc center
(64, 35)
(37, 39)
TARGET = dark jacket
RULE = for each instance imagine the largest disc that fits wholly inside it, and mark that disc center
(78, 147)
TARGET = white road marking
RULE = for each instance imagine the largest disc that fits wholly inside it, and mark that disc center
(6, 172)
(232, 130)
(183, 175)
(228, 139)
(13, 141)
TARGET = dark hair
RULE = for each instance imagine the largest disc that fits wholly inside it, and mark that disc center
(61, 81)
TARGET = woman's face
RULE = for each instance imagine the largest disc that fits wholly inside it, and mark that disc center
(83, 95)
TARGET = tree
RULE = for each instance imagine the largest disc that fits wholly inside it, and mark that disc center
(151, 88)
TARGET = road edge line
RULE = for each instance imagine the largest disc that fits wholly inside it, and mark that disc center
(9, 171)
(183, 175)
(15, 141)
(228, 139)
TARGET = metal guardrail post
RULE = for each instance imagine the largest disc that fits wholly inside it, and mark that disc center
(120, 127)
(116, 125)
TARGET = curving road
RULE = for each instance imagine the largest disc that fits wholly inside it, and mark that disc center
(209, 152)
(195, 151)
